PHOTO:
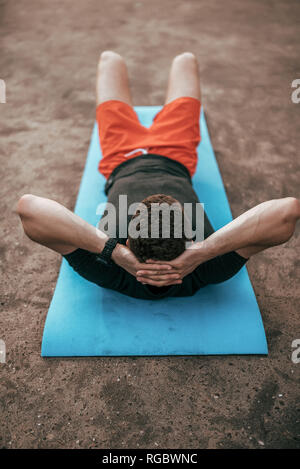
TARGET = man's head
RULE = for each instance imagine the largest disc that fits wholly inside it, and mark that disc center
(162, 219)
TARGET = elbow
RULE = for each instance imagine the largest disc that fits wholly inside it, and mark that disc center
(290, 213)
(27, 209)
(291, 209)
(26, 205)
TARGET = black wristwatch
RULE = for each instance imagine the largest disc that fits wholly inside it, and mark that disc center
(105, 255)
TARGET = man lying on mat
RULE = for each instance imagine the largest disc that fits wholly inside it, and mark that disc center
(154, 165)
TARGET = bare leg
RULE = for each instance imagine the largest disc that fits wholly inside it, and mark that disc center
(112, 79)
(184, 78)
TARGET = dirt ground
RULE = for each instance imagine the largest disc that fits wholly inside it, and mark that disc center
(249, 56)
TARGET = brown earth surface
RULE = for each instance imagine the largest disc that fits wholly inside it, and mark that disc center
(249, 56)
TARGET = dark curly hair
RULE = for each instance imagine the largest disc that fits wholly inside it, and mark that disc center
(159, 248)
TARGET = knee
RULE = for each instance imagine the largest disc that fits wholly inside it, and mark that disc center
(109, 55)
(26, 205)
(186, 57)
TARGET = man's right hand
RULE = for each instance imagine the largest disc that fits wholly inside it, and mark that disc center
(181, 266)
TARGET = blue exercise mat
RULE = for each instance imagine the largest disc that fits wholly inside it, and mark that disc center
(87, 320)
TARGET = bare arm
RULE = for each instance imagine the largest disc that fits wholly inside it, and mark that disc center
(51, 224)
(267, 224)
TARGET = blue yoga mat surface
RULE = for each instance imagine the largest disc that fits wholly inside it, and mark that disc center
(87, 320)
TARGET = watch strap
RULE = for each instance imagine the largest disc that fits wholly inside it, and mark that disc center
(105, 255)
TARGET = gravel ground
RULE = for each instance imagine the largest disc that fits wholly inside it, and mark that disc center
(249, 55)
